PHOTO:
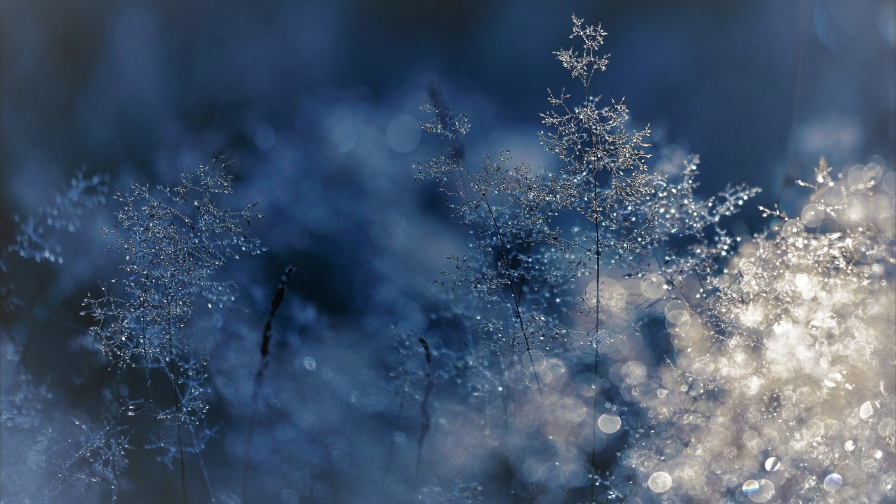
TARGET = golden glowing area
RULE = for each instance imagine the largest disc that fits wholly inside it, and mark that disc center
(794, 390)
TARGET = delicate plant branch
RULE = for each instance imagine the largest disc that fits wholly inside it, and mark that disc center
(174, 240)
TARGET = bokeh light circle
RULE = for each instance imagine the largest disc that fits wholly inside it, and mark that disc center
(403, 133)
(609, 423)
(659, 482)
(833, 482)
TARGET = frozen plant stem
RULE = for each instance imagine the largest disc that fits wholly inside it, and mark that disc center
(596, 341)
(174, 240)
(514, 293)
(445, 125)
(532, 232)
(424, 411)
(259, 375)
(596, 346)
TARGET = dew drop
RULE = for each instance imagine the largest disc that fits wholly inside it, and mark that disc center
(833, 482)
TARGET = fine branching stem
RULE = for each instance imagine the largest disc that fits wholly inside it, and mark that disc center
(172, 245)
(513, 292)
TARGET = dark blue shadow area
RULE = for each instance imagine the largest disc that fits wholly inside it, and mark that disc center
(315, 106)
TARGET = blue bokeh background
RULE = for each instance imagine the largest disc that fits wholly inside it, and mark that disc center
(315, 104)
(739, 83)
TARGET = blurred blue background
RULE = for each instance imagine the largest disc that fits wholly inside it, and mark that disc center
(753, 87)
(316, 103)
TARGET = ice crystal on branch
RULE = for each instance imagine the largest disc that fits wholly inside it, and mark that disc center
(444, 123)
(783, 385)
(536, 233)
(36, 235)
(32, 237)
(583, 66)
(173, 244)
(91, 453)
(174, 241)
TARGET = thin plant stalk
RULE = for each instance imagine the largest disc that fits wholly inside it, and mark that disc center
(259, 375)
(424, 410)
